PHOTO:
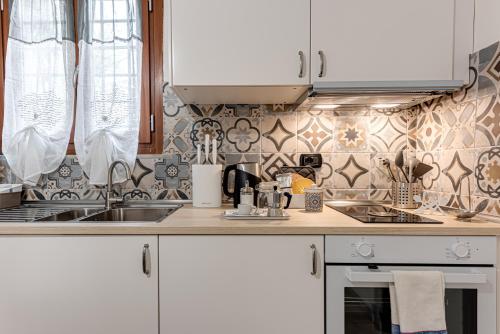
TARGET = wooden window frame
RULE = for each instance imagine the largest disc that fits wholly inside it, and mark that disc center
(150, 139)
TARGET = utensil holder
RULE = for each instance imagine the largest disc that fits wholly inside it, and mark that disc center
(403, 194)
(207, 190)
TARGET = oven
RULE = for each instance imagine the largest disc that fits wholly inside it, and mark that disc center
(359, 270)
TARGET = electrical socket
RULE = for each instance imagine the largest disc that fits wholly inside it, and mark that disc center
(312, 160)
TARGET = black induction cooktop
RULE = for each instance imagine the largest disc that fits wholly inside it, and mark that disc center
(378, 214)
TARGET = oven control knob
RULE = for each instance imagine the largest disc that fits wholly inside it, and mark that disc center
(460, 250)
(364, 249)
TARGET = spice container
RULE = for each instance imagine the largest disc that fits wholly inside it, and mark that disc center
(313, 199)
(246, 195)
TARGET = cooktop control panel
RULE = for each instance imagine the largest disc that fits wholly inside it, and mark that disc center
(410, 249)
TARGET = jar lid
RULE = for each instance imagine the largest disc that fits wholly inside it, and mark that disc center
(247, 189)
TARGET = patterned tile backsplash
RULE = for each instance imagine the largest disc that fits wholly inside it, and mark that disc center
(457, 134)
(274, 135)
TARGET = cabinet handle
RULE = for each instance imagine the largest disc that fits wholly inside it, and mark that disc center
(146, 260)
(314, 271)
(322, 64)
(301, 64)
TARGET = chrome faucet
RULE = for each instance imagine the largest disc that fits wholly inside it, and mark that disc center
(110, 198)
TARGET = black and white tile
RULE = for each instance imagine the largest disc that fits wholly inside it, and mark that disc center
(351, 134)
(351, 171)
(314, 132)
(388, 133)
(242, 135)
(458, 124)
(271, 163)
(487, 172)
(279, 133)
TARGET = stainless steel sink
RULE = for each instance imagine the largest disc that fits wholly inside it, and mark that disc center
(131, 215)
(91, 211)
(70, 215)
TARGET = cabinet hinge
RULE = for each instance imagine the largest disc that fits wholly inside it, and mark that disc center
(152, 123)
(150, 5)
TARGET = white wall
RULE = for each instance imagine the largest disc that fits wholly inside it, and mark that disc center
(487, 23)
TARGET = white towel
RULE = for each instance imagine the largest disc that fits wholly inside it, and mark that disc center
(417, 301)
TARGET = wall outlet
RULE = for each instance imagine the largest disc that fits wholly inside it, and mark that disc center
(313, 160)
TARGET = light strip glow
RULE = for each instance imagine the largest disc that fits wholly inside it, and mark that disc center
(326, 106)
(384, 106)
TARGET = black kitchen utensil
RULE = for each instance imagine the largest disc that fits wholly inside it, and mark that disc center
(400, 162)
(420, 170)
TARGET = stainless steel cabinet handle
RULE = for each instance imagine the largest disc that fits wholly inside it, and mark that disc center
(146, 260)
(301, 64)
(322, 64)
(314, 271)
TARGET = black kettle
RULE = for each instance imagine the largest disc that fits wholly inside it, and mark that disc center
(243, 172)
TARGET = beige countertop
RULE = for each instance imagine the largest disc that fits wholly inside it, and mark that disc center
(189, 220)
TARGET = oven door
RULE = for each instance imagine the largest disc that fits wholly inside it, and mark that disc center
(357, 299)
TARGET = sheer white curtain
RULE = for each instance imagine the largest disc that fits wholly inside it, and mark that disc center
(39, 92)
(109, 86)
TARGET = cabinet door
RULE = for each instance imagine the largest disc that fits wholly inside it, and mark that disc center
(77, 285)
(367, 40)
(487, 24)
(239, 42)
(240, 284)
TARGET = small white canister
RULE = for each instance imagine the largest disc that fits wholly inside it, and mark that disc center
(313, 199)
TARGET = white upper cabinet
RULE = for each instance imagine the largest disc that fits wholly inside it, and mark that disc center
(241, 284)
(386, 40)
(487, 24)
(78, 285)
(257, 43)
(269, 51)
(240, 42)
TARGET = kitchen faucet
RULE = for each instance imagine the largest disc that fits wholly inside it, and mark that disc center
(110, 199)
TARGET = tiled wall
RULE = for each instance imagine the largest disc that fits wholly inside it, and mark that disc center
(276, 136)
(457, 134)
(273, 135)
(460, 135)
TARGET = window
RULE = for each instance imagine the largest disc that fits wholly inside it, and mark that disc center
(151, 126)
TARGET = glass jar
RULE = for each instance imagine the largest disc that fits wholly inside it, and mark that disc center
(246, 195)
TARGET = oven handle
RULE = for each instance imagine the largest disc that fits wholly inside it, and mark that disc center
(474, 277)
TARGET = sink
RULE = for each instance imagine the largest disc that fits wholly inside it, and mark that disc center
(145, 214)
(70, 215)
(138, 211)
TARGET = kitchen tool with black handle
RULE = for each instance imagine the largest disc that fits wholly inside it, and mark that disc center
(400, 162)
(420, 170)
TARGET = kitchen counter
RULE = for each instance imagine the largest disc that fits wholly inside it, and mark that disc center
(189, 220)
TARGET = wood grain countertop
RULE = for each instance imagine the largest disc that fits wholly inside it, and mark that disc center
(189, 220)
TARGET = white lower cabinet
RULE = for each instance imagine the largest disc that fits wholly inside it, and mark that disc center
(78, 285)
(241, 284)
